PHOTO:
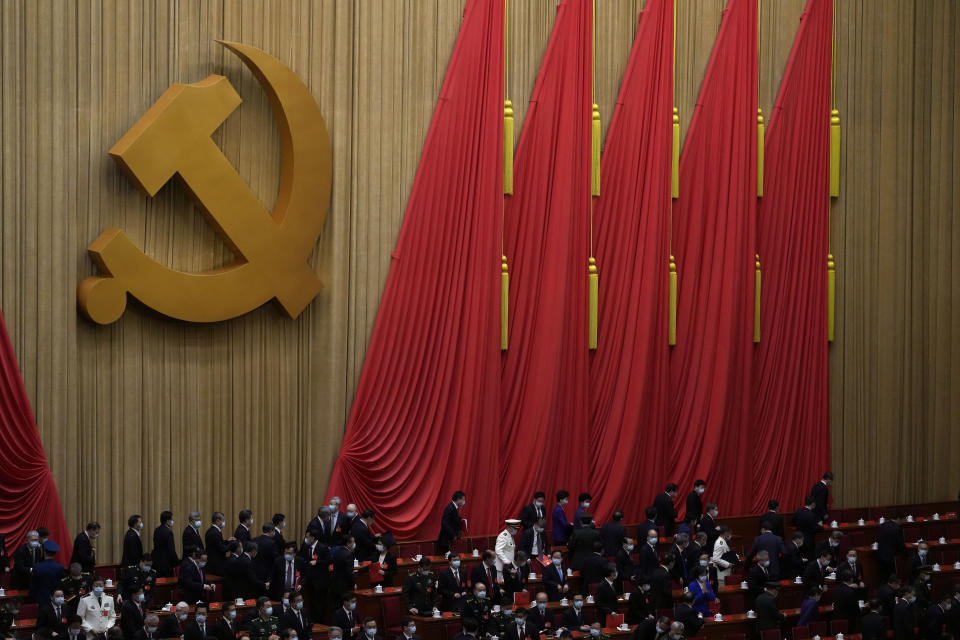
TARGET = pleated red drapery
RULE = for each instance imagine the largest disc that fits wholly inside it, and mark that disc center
(544, 388)
(630, 368)
(714, 239)
(425, 418)
(28, 495)
(793, 221)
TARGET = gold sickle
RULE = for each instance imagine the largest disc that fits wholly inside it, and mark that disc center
(173, 138)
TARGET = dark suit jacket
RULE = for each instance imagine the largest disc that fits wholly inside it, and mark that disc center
(24, 559)
(626, 568)
(216, 548)
(845, 605)
(316, 577)
(242, 534)
(342, 579)
(694, 508)
(819, 493)
(709, 526)
(573, 619)
(873, 626)
(808, 522)
(889, 542)
(606, 600)
(526, 542)
(691, 618)
(226, 629)
(241, 580)
(770, 543)
(936, 618)
(916, 565)
(131, 618)
(666, 513)
(191, 630)
(592, 571)
(553, 580)
(170, 627)
(757, 579)
(448, 585)
(266, 555)
(191, 580)
(449, 524)
(190, 538)
(537, 622)
(132, 548)
(660, 588)
(83, 552)
(48, 619)
(649, 559)
(613, 534)
(528, 515)
(164, 551)
(302, 624)
(366, 545)
(278, 576)
(903, 620)
(580, 545)
(768, 613)
(813, 574)
(478, 573)
(791, 562)
(342, 618)
(774, 522)
(679, 573)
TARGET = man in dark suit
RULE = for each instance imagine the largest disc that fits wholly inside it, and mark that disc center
(666, 512)
(190, 538)
(817, 570)
(768, 613)
(890, 543)
(173, 625)
(194, 586)
(886, 595)
(52, 614)
(820, 493)
(164, 547)
(315, 575)
(594, 567)
(708, 524)
(287, 572)
(679, 549)
(132, 542)
(267, 552)
(649, 556)
(83, 550)
(698, 547)
(244, 530)
(555, 579)
(296, 617)
(534, 511)
(345, 616)
(198, 629)
(606, 598)
(937, 616)
(150, 629)
(24, 558)
(450, 522)
(792, 559)
(919, 561)
(873, 626)
(661, 586)
(694, 505)
(132, 612)
(574, 617)
(408, 628)
(279, 523)
(691, 619)
(769, 542)
(486, 573)
(215, 545)
(853, 566)
(832, 544)
(582, 541)
(759, 575)
(319, 524)
(904, 618)
(452, 585)
(613, 534)
(540, 618)
(626, 567)
(533, 540)
(773, 519)
(360, 531)
(807, 522)
(652, 629)
(342, 579)
(517, 628)
(845, 600)
(227, 627)
(241, 573)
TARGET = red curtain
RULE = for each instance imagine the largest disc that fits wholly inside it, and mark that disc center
(714, 235)
(28, 496)
(544, 376)
(791, 359)
(425, 418)
(629, 369)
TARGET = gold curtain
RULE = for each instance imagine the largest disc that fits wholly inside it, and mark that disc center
(149, 414)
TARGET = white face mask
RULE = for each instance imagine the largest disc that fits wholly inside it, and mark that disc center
(586, 504)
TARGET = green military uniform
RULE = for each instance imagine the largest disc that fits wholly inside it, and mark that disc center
(499, 621)
(479, 610)
(79, 586)
(132, 578)
(262, 628)
(420, 592)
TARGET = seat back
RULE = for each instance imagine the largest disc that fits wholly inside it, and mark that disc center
(733, 603)
(839, 626)
(734, 579)
(818, 628)
(801, 633)
(770, 634)
(735, 636)
(392, 611)
(408, 549)
(28, 611)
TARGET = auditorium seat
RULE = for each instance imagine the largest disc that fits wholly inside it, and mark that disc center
(392, 613)
(733, 580)
(818, 628)
(408, 549)
(839, 626)
(801, 633)
(733, 603)
(735, 636)
(770, 634)
(453, 630)
(28, 611)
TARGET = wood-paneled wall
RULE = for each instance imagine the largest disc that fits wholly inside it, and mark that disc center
(149, 414)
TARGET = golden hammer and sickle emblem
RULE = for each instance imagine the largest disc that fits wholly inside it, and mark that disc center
(173, 138)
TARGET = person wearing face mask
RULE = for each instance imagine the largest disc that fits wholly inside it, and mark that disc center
(342, 579)
(315, 573)
(132, 612)
(759, 575)
(408, 630)
(215, 545)
(792, 559)
(287, 571)
(555, 578)
(613, 534)
(772, 544)
(904, 615)
(514, 627)
(817, 570)
(452, 585)
(45, 576)
(349, 518)
(582, 542)
(360, 531)
(73, 629)
(190, 538)
(336, 518)
(648, 553)
(226, 627)
(695, 549)
(832, 544)
(583, 504)
(562, 528)
(194, 585)
(164, 547)
(244, 530)
(539, 616)
(534, 541)
(596, 632)
(694, 507)
(938, 614)
(97, 611)
(486, 572)
(593, 568)
(138, 576)
(345, 617)
(83, 550)
(854, 567)
(666, 512)
(677, 631)
(708, 524)
(265, 624)
(685, 613)
(132, 541)
(606, 598)
(574, 616)
(624, 558)
(505, 547)
(150, 629)
(661, 585)
(369, 629)
(279, 522)
(652, 629)
(24, 558)
(702, 591)
(267, 552)
(922, 587)
(768, 612)
(198, 629)
(679, 548)
(419, 589)
(820, 493)
(451, 522)
(52, 615)
(919, 561)
(515, 576)
(723, 558)
(296, 617)
(174, 625)
(478, 606)
(640, 605)
(534, 511)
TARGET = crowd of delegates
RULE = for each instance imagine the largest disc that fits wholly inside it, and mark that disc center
(296, 583)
